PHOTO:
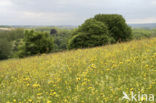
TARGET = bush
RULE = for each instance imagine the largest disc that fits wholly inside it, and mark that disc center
(35, 43)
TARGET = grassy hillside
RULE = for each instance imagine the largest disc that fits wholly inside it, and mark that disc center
(95, 75)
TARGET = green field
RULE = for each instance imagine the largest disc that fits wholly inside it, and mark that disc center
(94, 75)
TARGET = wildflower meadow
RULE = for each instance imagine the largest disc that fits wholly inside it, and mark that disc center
(93, 75)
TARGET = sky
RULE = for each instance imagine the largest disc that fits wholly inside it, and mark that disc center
(73, 12)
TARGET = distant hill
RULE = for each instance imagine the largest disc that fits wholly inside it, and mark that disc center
(34, 26)
(146, 26)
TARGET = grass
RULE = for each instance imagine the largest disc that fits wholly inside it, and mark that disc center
(95, 75)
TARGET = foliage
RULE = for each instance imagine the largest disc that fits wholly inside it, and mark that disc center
(94, 75)
(35, 43)
(4, 49)
(117, 26)
(91, 33)
(93, 27)
(6, 42)
(112, 27)
(53, 31)
(83, 40)
(18, 48)
(12, 35)
(143, 33)
(12, 39)
(61, 39)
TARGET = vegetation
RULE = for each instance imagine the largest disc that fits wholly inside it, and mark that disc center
(101, 30)
(60, 35)
(12, 41)
(143, 33)
(7, 39)
(117, 26)
(61, 38)
(82, 40)
(90, 34)
(4, 49)
(35, 43)
(93, 75)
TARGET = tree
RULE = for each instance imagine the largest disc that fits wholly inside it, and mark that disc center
(5, 48)
(84, 40)
(93, 27)
(91, 33)
(117, 27)
(101, 30)
(35, 43)
(7, 39)
(53, 31)
(61, 39)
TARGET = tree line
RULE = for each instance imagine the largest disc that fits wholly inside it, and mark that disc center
(100, 30)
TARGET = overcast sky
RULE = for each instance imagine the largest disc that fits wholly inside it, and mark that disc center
(73, 12)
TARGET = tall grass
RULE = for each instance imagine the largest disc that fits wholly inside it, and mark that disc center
(95, 75)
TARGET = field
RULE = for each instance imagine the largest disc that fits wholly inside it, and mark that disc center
(94, 75)
(6, 29)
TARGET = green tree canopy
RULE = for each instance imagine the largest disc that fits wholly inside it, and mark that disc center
(35, 43)
(101, 30)
(93, 27)
(84, 40)
(117, 26)
(5, 49)
(91, 33)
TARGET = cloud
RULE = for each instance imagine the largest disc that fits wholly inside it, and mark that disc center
(5, 3)
(74, 12)
(48, 18)
(142, 21)
(154, 2)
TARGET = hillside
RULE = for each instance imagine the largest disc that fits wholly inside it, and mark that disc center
(95, 75)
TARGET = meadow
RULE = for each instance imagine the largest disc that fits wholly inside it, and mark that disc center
(93, 75)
